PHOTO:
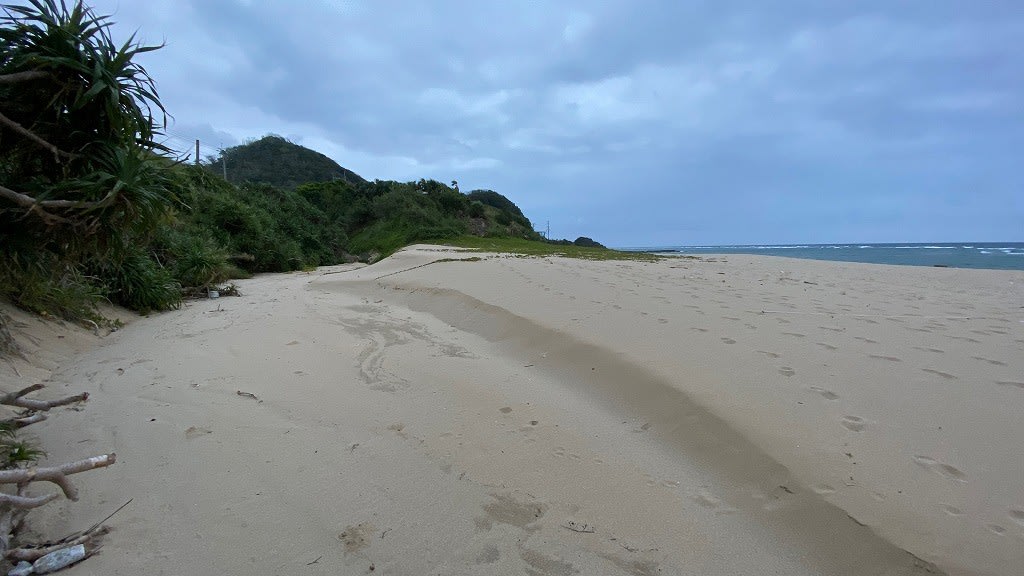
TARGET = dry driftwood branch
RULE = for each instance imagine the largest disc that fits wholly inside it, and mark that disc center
(15, 506)
(57, 474)
(23, 421)
(16, 399)
(34, 138)
(26, 502)
(31, 554)
(16, 77)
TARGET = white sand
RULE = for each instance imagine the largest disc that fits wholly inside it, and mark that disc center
(730, 415)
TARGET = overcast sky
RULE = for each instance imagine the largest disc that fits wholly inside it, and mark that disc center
(637, 123)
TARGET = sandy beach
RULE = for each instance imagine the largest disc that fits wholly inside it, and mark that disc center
(444, 412)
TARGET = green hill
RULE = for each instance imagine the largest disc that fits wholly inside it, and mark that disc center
(276, 161)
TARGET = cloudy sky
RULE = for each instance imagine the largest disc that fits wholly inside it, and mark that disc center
(635, 122)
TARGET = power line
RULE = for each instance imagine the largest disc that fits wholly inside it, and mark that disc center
(186, 146)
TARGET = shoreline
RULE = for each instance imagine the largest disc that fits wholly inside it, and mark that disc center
(963, 255)
(484, 416)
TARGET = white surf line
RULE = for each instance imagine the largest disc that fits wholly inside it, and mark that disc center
(871, 315)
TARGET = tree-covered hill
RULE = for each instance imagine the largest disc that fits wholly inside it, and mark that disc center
(276, 161)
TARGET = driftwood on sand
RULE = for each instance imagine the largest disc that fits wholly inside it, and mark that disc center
(16, 503)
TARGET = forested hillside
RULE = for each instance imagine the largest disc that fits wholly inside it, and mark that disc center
(276, 161)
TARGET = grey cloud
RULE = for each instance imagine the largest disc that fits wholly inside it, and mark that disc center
(633, 122)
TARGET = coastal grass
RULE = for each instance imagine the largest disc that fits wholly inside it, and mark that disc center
(541, 249)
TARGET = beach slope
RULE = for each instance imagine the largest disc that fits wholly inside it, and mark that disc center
(456, 413)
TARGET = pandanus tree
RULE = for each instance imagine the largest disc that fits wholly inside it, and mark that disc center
(82, 177)
(79, 118)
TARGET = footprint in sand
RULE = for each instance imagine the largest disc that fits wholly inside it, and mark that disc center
(827, 394)
(1010, 383)
(880, 357)
(505, 410)
(823, 490)
(707, 499)
(768, 354)
(1017, 516)
(644, 428)
(357, 537)
(787, 371)
(940, 468)
(865, 340)
(933, 350)
(832, 329)
(828, 346)
(695, 329)
(196, 432)
(662, 321)
(853, 423)
(996, 529)
(937, 373)
(794, 334)
(489, 555)
(728, 340)
(952, 510)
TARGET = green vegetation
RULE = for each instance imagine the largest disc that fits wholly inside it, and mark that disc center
(92, 208)
(15, 452)
(276, 161)
(539, 248)
(82, 182)
(382, 216)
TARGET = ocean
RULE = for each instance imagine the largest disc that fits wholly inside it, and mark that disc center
(991, 255)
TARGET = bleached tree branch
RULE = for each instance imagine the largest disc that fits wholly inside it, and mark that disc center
(26, 501)
(17, 399)
(57, 474)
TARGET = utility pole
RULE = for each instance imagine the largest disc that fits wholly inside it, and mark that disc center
(197, 151)
(547, 233)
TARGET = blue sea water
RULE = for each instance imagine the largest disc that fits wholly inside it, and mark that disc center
(992, 255)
